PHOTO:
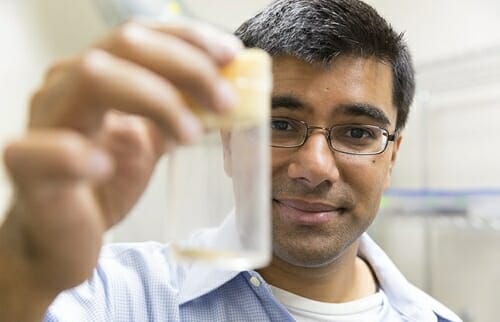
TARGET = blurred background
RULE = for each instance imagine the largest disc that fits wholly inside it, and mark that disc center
(440, 221)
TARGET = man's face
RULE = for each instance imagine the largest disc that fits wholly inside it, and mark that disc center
(324, 200)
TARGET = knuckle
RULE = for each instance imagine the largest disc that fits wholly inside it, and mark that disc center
(90, 65)
(70, 148)
(69, 145)
(201, 72)
(36, 99)
(207, 81)
(37, 110)
(56, 68)
(51, 71)
(10, 154)
(127, 35)
(190, 32)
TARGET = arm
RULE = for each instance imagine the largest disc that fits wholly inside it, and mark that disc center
(97, 127)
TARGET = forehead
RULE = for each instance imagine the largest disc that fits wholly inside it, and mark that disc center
(324, 92)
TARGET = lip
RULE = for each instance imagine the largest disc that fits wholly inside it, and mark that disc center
(305, 212)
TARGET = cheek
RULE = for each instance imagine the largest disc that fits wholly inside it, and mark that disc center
(366, 176)
(279, 162)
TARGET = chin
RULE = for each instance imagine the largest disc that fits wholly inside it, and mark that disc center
(305, 262)
(308, 249)
(308, 256)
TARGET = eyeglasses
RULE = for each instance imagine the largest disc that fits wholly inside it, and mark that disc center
(346, 138)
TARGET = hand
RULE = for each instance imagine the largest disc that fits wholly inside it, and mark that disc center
(97, 127)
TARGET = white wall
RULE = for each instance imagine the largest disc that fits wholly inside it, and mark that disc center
(450, 138)
(34, 33)
(438, 29)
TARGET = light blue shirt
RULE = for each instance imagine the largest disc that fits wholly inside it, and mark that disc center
(144, 282)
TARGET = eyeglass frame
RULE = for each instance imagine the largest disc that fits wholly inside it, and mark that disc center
(329, 130)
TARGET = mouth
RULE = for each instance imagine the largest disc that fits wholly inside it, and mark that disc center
(307, 212)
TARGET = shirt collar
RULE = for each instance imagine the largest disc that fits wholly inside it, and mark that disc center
(200, 278)
(408, 300)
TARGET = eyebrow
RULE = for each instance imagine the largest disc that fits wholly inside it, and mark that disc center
(288, 102)
(363, 109)
(353, 109)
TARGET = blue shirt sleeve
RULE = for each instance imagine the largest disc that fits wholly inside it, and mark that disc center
(132, 282)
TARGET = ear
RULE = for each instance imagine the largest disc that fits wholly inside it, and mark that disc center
(226, 150)
(394, 154)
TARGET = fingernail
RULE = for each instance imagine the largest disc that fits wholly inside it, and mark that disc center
(135, 32)
(191, 128)
(226, 96)
(232, 43)
(228, 48)
(100, 163)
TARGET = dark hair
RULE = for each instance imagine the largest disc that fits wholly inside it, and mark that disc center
(317, 31)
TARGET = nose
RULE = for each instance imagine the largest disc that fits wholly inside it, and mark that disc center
(314, 162)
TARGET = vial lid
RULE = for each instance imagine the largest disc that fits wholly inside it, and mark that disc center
(250, 75)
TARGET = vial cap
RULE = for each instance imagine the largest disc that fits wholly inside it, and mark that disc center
(250, 75)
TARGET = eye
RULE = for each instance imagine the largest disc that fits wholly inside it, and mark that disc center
(281, 125)
(356, 134)
(359, 133)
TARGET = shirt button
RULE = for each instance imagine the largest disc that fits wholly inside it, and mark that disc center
(255, 281)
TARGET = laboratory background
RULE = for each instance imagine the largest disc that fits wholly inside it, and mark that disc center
(439, 222)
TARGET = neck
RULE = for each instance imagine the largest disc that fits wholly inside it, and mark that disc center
(345, 279)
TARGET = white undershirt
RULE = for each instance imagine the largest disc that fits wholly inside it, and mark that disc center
(372, 308)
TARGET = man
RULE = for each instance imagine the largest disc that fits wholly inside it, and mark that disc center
(343, 84)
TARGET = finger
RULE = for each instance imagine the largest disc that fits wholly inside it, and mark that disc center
(101, 81)
(183, 64)
(221, 46)
(132, 137)
(57, 69)
(55, 156)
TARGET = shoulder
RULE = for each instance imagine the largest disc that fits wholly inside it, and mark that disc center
(130, 281)
(144, 261)
(152, 253)
(407, 299)
(443, 313)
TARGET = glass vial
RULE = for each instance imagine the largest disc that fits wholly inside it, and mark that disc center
(223, 182)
